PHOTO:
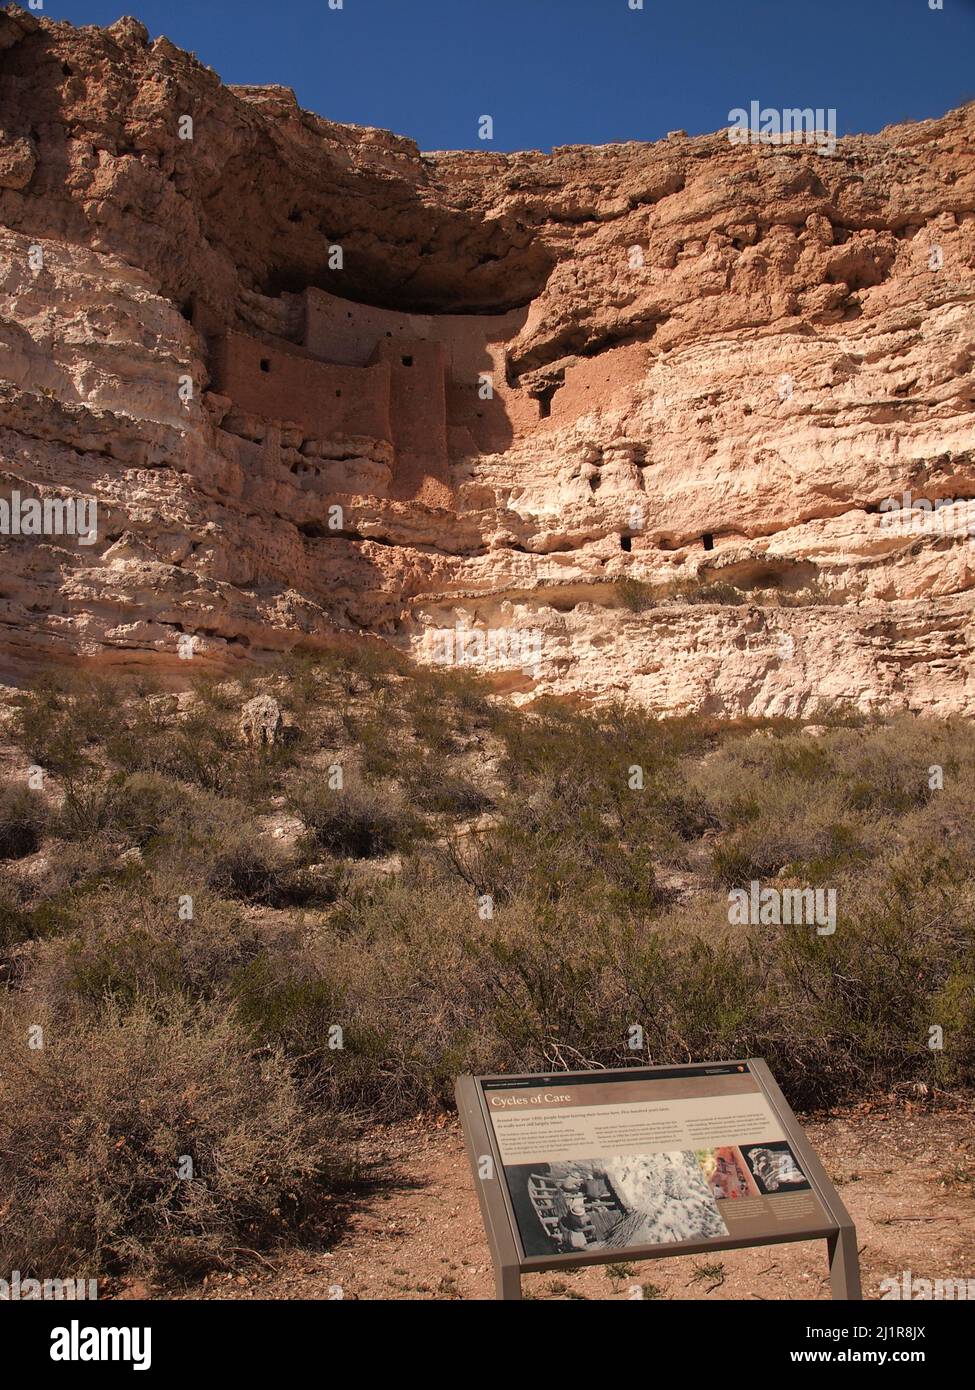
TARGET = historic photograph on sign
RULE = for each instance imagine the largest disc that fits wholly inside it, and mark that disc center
(774, 1168)
(617, 1202)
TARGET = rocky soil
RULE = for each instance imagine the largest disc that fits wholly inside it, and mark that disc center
(906, 1177)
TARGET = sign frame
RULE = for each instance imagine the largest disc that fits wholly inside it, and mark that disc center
(501, 1226)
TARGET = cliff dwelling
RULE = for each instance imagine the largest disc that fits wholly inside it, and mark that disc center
(429, 387)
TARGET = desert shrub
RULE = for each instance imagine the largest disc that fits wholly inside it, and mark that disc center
(432, 726)
(147, 811)
(529, 988)
(443, 705)
(447, 794)
(94, 1128)
(16, 920)
(360, 668)
(885, 770)
(298, 1001)
(212, 839)
(400, 972)
(132, 810)
(713, 593)
(548, 981)
(588, 757)
(550, 862)
(77, 729)
(58, 720)
(635, 595)
(238, 860)
(782, 809)
(200, 744)
(822, 805)
(23, 819)
(88, 806)
(687, 813)
(610, 787)
(135, 939)
(358, 821)
(812, 846)
(587, 934)
(379, 739)
(902, 954)
(204, 748)
(135, 740)
(150, 807)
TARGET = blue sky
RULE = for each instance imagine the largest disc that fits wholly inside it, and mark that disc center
(555, 72)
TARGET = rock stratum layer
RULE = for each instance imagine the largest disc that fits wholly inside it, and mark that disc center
(654, 421)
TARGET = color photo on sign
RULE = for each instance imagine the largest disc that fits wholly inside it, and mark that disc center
(608, 1161)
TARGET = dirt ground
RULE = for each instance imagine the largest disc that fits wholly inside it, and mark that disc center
(906, 1174)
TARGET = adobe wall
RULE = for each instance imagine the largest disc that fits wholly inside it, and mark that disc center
(487, 426)
(280, 385)
(342, 331)
(417, 411)
(412, 380)
(592, 383)
(473, 347)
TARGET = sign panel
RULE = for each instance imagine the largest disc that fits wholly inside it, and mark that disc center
(613, 1161)
(589, 1167)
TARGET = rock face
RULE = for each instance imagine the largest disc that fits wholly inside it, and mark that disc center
(260, 721)
(659, 421)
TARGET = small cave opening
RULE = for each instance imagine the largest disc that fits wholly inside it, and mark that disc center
(708, 540)
(626, 543)
(544, 399)
(407, 360)
(265, 364)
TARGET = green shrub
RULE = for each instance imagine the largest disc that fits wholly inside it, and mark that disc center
(23, 819)
(141, 938)
(359, 822)
(635, 595)
(447, 794)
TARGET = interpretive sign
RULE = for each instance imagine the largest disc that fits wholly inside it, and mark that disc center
(590, 1167)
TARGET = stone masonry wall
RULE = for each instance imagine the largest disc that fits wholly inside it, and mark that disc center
(417, 412)
(282, 385)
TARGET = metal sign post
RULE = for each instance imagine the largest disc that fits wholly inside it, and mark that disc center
(580, 1168)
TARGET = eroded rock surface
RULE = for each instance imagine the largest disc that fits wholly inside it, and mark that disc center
(560, 402)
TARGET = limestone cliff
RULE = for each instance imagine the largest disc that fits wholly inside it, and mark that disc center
(671, 417)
